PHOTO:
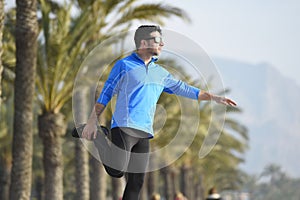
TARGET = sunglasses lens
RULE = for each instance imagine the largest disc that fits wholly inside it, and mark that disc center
(158, 39)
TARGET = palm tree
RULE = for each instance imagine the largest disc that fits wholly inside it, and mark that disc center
(81, 155)
(219, 167)
(8, 56)
(59, 51)
(98, 180)
(98, 176)
(5, 148)
(7, 80)
(1, 46)
(166, 174)
(273, 171)
(26, 35)
(5, 160)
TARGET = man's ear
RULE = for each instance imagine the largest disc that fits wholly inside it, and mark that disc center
(143, 44)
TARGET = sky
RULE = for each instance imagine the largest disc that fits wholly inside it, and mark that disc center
(249, 31)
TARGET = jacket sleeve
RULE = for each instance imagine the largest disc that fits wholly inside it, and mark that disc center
(111, 85)
(178, 87)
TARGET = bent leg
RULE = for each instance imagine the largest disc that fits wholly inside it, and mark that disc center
(115, 156)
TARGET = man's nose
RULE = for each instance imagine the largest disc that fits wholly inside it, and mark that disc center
(161, 43)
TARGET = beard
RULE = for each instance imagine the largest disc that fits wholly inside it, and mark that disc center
(154, 51)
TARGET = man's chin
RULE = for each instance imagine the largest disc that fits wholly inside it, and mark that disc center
(156, 53)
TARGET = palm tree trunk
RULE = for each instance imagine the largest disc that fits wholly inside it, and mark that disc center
(39, 188)
(98, 180)
(26, 46)
(151, 183)
(116, 184)
(173, 177)
(81, 171)
(81, 153)
(167, 183)
(51, 128)
(144, 191)
(4, 180)
(98, 183)
(199, 192)
(152, 177)
(1, 46)
(186, 185)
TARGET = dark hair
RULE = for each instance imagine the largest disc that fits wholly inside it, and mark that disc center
(212, 190)
(143, 32)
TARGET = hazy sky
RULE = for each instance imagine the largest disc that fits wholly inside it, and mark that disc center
(253, 31)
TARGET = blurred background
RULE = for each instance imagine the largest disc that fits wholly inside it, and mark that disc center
(254, 45)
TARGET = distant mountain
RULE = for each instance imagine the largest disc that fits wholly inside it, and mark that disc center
(271, 111)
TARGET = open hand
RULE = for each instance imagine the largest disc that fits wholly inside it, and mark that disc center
(224, 101)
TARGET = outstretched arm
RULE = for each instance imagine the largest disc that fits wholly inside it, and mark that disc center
(203, 95)
(181, 88)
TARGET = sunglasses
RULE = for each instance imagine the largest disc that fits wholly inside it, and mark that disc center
(156, 39)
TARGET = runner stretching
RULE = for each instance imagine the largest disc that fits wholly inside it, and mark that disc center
(138, 82)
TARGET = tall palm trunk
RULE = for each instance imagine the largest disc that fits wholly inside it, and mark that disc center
(51, 129)
(26, 36)
(98, 176)
(185, 183)
(81, 153)
(167, 183)
(4, 166)
(199, 191)
(152, 177)
(116, 184)
(4, 179)
(174, 180)
(144, 193)
(150, 183)
(82, 172)
(98, 180)
(39, 187)
(1, 46)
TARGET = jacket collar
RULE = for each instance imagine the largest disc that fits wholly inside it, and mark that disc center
(136, 56)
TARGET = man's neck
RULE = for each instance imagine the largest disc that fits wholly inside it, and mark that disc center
(145, 57)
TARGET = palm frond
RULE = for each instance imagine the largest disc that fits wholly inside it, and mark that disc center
(110, 5)
(127, 4)
(150, 12)
(237, 127)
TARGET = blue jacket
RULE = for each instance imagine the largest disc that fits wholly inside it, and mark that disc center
(138, 88)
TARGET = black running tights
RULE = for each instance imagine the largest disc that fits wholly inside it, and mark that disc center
(125, 154)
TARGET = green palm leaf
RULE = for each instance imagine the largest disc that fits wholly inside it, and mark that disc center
(151, 12)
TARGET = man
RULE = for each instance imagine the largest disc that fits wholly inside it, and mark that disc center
(138, 82)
